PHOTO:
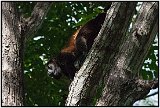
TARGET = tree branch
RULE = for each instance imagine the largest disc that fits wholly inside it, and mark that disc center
(143, 34)
(152, 94)
(31, 24)
(146, 84)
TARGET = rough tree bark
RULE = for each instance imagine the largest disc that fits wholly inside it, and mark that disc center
(123, 84)
(116, 58)
(14, 32)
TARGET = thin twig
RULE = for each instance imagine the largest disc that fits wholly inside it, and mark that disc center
(152, 94)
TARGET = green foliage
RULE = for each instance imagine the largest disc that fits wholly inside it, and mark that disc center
(61, 21)
(149, 70)
(25, 8)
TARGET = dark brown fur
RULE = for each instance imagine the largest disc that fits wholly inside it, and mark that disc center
(79, 45)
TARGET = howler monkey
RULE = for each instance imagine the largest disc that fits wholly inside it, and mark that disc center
(77, 48)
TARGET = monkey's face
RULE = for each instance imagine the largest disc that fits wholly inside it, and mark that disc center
(53, 69)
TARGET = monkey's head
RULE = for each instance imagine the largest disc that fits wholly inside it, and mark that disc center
(54, 69)
(62, 64)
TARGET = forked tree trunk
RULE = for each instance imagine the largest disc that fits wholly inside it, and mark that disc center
(116, 58)
(123, 85)
(14, 32)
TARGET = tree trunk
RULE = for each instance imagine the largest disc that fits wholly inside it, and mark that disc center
(123, 84)
(115, 59)
(14, 32)
(12, 55)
